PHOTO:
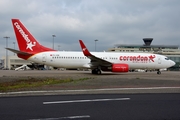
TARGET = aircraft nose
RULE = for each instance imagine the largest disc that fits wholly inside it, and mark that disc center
(172, 63)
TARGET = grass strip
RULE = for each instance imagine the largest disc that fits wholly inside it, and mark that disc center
(35, 82)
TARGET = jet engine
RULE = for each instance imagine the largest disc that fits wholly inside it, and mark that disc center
(120, 67)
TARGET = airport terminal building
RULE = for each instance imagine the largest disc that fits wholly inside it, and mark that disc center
(171, 51)
(14, 62)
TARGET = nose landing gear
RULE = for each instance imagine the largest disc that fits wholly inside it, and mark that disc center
(158, 72)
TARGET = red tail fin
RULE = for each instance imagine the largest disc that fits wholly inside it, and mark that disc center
(26, 42)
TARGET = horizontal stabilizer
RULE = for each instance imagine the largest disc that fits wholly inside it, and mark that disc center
(18, 52)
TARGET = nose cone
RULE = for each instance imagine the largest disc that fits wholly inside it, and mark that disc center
(172, 63)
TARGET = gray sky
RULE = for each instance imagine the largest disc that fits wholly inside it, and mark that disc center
(110, 21)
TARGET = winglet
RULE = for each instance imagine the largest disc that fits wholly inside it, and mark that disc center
(84, 49)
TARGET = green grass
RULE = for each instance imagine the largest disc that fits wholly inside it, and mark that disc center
(33, 82)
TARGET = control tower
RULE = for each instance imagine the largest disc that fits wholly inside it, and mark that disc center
(147, 41)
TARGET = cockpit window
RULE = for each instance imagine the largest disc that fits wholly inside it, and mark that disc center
(167, 58)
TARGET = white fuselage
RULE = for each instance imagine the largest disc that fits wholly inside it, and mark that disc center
(78, 60)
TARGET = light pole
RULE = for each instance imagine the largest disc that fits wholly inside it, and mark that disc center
(6, 51)
(59, 47)
(53, 40)
(95, 44)
(14, 46)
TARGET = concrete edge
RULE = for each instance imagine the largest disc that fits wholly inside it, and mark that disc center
(95, 91)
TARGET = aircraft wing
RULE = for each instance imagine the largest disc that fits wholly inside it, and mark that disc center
(95, 61)
(18, 52)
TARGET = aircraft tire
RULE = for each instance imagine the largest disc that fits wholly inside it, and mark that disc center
(98, 71)
(158, 72)
(93, 71)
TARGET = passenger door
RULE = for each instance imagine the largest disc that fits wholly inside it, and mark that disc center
(159, 60)
(44, 57)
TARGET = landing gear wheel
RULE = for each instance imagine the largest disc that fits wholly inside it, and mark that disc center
(96, 71)
(158, 72)
(93, 71)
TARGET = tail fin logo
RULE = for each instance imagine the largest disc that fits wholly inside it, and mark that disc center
(84, 49)
(29, 43)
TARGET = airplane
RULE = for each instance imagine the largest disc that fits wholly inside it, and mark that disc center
(30, 49)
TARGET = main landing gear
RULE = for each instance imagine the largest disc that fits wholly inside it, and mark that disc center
(96, 71)
(158, 72)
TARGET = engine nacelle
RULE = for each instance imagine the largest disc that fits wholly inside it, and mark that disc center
(120, 67)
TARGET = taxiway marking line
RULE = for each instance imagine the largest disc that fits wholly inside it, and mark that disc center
(80, 101)
(61, 118)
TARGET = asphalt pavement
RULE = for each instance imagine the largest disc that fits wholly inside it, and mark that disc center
(92, 107)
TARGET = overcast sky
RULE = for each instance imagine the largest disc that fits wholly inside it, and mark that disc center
(110, 21)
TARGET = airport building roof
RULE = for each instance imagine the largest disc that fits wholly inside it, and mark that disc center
(147, 47)
(147, 44)
(144, 46)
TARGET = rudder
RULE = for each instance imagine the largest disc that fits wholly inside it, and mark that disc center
(26, 41)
